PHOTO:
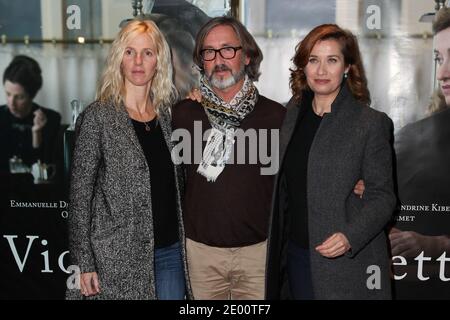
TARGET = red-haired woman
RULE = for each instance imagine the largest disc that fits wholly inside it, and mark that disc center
(325, 242)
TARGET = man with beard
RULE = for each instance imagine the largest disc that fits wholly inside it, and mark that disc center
(227, 202)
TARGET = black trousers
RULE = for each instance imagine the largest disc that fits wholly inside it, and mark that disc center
(299, 272)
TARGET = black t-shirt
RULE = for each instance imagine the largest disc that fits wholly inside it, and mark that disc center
(295, 169)
(234, 210)
(162, 176)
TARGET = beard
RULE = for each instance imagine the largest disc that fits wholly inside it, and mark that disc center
(226, 82)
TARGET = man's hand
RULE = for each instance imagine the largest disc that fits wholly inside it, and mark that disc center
(410, 244)
(359, 188)
(195, 95)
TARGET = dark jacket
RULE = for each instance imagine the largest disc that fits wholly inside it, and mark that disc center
(352, 143)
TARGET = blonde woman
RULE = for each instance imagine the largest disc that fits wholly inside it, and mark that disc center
(125, 226)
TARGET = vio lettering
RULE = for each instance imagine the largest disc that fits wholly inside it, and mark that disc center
(21, 257)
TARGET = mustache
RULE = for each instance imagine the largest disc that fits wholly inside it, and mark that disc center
(221, 67)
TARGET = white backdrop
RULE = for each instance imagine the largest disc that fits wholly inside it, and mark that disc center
(398, 70)
(399, 65)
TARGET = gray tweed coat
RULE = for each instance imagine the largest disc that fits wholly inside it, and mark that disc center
(110, 216)
(352, 142)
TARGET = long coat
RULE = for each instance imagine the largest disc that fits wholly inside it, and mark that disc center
(110, 210)
(352, 143)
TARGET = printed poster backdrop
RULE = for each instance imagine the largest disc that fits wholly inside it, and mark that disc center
(398, 56)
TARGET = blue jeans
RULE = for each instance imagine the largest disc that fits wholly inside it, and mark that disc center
(169, 273)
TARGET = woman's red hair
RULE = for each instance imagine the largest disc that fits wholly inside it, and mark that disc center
(356, 78)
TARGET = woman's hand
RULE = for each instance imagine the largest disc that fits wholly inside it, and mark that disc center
(195, 95)
(39, 120)
(89, 284)
(334, 246)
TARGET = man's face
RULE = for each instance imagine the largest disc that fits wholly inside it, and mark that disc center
(442, 41)
(222, 73)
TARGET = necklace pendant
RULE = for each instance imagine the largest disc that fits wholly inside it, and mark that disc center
(147, 127)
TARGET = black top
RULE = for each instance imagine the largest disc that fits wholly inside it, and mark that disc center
(16, 137)
(234, 210)
(295, 169)
(162, 175)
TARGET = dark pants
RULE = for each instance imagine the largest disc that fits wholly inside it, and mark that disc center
(169, 273)
(299, 272)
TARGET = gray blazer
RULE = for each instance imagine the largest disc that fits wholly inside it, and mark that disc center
(110, 210)
(352, 143)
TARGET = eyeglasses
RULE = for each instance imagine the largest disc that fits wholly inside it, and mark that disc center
(225, 52)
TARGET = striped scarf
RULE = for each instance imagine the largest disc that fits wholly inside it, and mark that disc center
(224, 118)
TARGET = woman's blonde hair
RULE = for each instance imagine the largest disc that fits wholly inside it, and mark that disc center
(112, 86)
(437, 103)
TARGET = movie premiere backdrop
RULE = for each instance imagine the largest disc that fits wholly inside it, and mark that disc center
(70, 40)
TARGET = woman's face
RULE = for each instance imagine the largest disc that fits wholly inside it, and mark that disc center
(18, 100)
(442, 42)
(139, 61)
(325, 68)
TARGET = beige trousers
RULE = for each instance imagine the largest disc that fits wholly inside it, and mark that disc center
(226, 273)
